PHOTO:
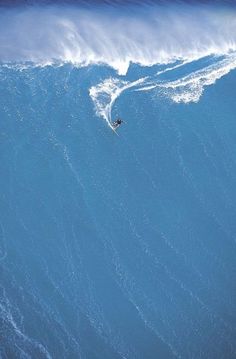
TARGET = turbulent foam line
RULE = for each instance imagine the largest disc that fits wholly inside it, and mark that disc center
(190, 87)
(6, 315)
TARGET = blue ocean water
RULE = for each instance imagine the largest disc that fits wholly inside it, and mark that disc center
(117, 245)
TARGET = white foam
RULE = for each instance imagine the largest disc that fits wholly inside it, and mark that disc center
(148, 35)
(186, 89)
(191, 87)
(106, 93)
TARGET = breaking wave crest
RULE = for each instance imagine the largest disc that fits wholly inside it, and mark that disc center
(153, 34)
(110, 36)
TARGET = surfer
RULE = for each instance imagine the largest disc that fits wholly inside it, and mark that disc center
(117, 123)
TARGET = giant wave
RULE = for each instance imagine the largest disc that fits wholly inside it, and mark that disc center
(117, 246)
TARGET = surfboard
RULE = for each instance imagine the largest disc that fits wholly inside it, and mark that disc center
(113, 129)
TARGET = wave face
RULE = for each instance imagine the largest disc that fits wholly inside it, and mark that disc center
(118, 246)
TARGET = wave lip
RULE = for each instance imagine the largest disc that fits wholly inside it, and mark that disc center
(146, 35)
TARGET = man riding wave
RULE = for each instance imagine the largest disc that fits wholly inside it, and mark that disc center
(117, 123)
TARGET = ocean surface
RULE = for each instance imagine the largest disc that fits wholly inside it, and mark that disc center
(118, 245)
